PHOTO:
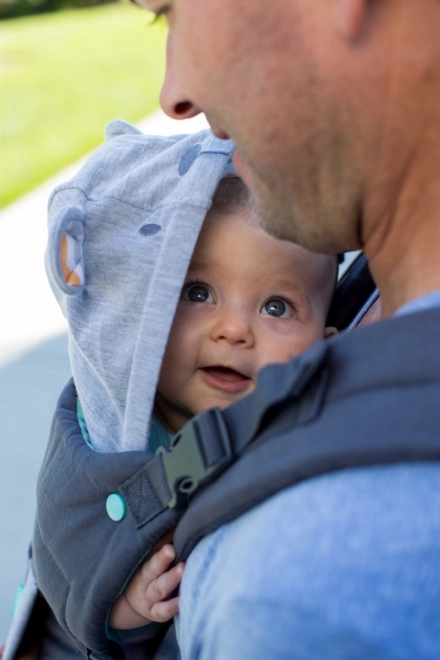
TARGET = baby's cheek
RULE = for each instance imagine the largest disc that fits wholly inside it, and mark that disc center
(285, 349)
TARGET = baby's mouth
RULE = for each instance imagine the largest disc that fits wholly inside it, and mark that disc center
(226, 373)
(225, 378)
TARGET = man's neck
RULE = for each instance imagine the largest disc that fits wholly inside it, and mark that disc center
(406, 272)
(403, 248)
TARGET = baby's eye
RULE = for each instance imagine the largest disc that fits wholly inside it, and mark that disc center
(278, 308)
(197, 293)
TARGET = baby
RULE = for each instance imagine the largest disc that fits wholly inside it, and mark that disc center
(175, 298)
(248, 300)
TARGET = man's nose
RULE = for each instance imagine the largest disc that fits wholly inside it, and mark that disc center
(233, 327)
(172, 100)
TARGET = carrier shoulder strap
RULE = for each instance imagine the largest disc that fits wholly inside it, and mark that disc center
(366, 398)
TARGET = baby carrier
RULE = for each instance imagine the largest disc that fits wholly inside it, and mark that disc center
(349, 401)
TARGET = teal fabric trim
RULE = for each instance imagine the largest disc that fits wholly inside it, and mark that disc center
(82, 424)
(112, 634)
(158, 436)
(17, 599)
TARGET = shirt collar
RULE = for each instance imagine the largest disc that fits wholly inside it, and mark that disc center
(429, 301)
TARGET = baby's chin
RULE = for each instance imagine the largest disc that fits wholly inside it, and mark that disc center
(222, 404)
(223, 400)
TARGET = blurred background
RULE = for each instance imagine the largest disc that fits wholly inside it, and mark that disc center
(64, 74)
(67, 68)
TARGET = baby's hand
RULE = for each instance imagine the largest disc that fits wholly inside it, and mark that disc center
(147, 595)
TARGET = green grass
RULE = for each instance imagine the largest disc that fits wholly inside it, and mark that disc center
(63, 77)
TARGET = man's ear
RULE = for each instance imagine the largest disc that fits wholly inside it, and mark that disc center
(65, 250)
(349, 18)
(329, 331)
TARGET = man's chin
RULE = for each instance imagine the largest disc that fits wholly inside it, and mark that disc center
(274, 212)
(277, 221)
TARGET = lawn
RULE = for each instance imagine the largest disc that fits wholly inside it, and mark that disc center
(63, 76)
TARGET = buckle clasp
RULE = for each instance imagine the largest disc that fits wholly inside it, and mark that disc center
(190, 462)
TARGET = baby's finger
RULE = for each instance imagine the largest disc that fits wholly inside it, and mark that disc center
(165, 584)
(165, 610)
(158, 563)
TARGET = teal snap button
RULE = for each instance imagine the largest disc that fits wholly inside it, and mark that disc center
(116, 507)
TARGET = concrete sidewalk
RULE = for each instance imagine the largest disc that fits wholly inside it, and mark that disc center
(33, 363)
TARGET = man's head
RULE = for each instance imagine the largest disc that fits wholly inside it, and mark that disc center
(327, 103)
(248, 300)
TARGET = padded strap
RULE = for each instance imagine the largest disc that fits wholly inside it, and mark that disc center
(278, 386)
(147, 492)
(213, 439)
(364, 406)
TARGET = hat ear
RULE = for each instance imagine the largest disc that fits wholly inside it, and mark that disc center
(120, 127)
(65, 250)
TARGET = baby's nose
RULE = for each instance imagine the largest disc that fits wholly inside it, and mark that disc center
(234, 328)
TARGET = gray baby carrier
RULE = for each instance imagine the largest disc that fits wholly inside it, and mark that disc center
(363, 398)
(223, 463)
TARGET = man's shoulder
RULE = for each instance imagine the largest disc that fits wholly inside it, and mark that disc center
(400, 348)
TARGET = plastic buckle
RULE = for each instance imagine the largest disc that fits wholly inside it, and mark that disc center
(185, 462)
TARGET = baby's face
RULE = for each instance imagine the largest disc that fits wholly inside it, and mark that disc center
(248, 300)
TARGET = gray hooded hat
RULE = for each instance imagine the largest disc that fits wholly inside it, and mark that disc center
(121, 236)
